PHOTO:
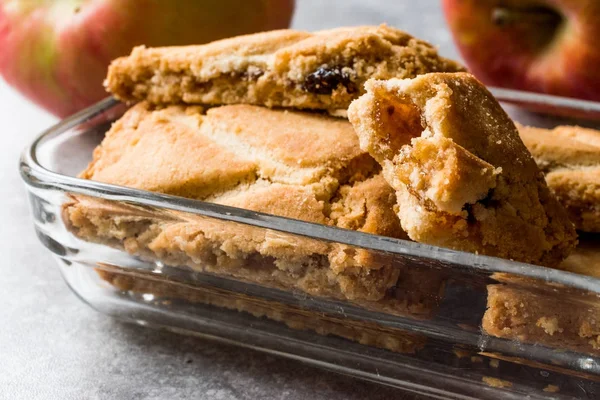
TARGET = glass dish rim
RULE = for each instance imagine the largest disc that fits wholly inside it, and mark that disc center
(37, 176)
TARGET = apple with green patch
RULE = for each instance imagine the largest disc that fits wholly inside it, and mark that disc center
(546, 46)
(56, 52)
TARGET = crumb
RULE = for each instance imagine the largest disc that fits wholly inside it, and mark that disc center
(551, 389)
(496, 383)
(549, 325)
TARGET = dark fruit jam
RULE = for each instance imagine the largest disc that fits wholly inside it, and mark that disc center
(326, 80)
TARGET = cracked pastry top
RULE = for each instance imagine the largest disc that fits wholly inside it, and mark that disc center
(570, 159)
(285, 68)
(463, 177)
(292, 164)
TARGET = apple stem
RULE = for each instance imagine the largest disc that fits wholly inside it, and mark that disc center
(504, 16)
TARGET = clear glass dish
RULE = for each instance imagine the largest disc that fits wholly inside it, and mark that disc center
(422, 333)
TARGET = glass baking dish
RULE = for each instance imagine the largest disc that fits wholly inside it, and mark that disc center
(422, 333)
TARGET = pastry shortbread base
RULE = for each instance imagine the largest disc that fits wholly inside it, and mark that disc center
(463, 177)
(292, 164)
(366, 333)
(321, 70)
(259, 256)
(373, 280)
(570, 159)
(557, 317)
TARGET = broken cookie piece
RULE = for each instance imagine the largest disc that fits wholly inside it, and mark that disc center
(324, 70)
(463, 177)
(569, 156)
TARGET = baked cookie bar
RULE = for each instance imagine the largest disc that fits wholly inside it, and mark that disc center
(554, 316)
(463, 177)
(570, 159)
(292, 164)
(285, 68)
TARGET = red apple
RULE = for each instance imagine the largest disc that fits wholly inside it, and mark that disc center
(57, 52)
(547, 46)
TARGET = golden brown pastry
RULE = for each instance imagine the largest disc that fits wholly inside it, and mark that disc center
(321, 70)
(463, 177)
(291, 164)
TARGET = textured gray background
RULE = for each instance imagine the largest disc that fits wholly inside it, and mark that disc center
(54, 346)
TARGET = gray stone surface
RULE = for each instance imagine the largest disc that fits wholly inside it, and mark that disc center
(52, 346)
